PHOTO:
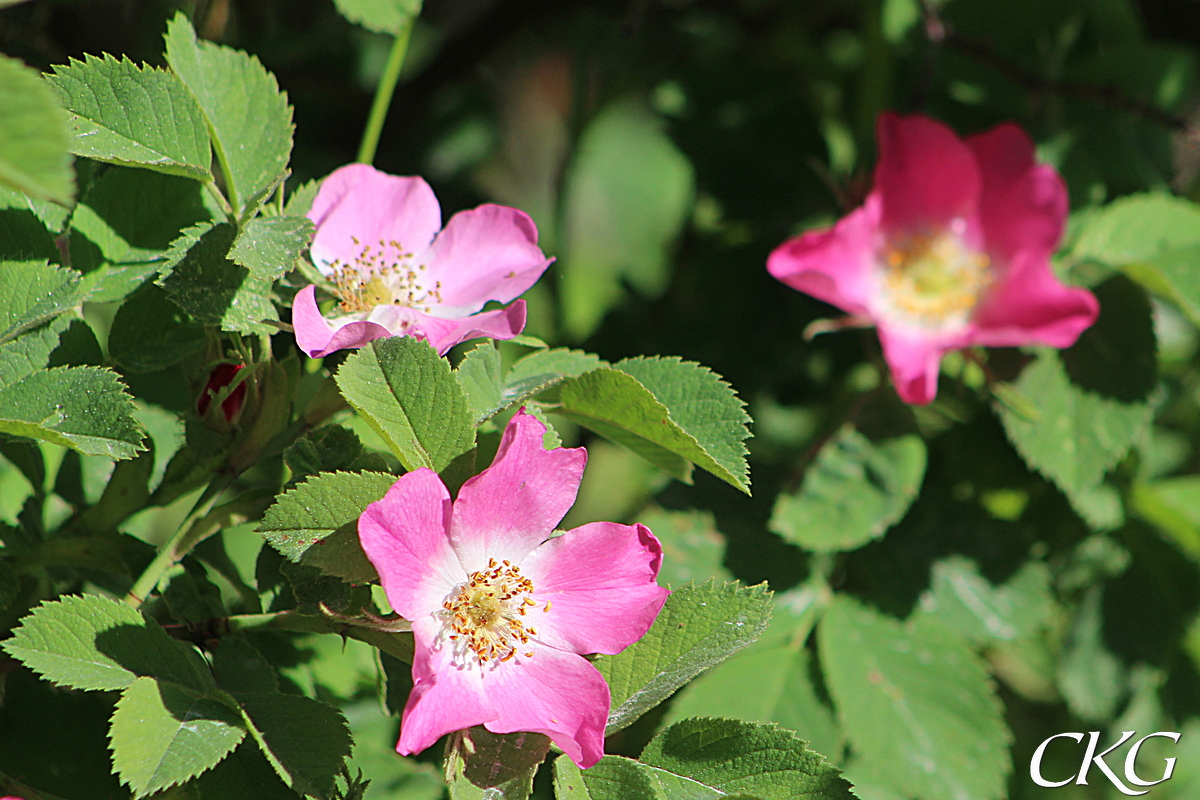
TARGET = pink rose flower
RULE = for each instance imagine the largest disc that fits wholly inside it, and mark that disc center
(501, 608)
(380, 240)
(950, 250)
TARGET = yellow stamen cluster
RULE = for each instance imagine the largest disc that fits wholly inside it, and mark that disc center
(933, 280)
(382, 275)
(485, 614)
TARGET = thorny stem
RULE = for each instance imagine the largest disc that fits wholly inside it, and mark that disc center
(383, 94)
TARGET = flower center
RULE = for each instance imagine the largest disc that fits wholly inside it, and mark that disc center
(932, 281)
(484, 614)
(382, 275)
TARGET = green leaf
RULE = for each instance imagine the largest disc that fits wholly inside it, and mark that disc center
(699, 626)
(552, 365)
(90, 642)
(612, 778)
(967, 603)
(704, 406)
(1136, 228)
(615, 405)
(163, 734)
(84, 408)
(381, 16)
(32, 294)
(215, 290)
(269, 246)
(24, 234)
(916, 704)
(627, 196)
(249, 119)
(33, 136)
(243, 773)
(126, 223)
(481, 765)
(735, 757)
(304, 740)
(1091, 679)
(138, 116)
(317, 522)
(692, 546)
(410, 397)
(778, 667)
(332, 448)
(150, 333)
(479, 374)
(1116, 356)
(852, 492)
(240, 667)
(1077, 435)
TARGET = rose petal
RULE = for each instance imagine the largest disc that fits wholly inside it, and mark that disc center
(405, 536)
(834, 264)
(926, 176)
(512, 506)
(317, 337)
(444, 698)
(1032, 305)
(558, 694)
(442, 334)
(599, 579)
(357, 205)
(914, 359)
(486, 253)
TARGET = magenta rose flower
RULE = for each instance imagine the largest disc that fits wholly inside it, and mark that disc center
(502, 609)
(397, 272)
(950, 250)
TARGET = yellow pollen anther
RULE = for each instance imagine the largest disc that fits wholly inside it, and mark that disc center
(382, 274)
(932, 280)
(484, 613)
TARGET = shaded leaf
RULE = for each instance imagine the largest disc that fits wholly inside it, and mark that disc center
(481, 765)
(304, 740)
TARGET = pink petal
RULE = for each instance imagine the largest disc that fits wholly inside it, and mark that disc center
(512, 506)
(444, 698)
(317, 337)
(834, 264)
(1023, 206)
(599, 579)
(405, 536)
(358, 202)
(487, 253)
(1032, 306)
(443, 333)
(555, 693)
(914, 359)
(926, 176)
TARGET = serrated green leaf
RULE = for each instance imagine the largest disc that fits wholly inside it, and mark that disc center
(555, 364)
(332, 448)
(626, 197)
(479, 374)
(31, 293)
(215, 290)
(916, 703)
(305, 740)
(84, 408)
(91, 642)
(612, 778)
(269, 246)
(381, 16)
(699, 626)
(777, 666)
(300, 201)
(141, 116)
(735, 757)
(1116, 356)
(704, 406)
(410, 397)
(243, 773)
(964, 601)
(1078, 435)
(852, 492)
(32, 350)
(481, 765)
(248, 117)
(33, 136)
(163, 734)
(150, 333)
(317, 522)
(1136, 228)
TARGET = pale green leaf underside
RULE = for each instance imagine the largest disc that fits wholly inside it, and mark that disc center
(852, 493)
(410, 397)
(699, 626)
(33, 136)
(381, 16)
(162, 734)
(316, 523)
(139, 116)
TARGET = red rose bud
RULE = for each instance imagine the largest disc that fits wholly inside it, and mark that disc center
(221, 376)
